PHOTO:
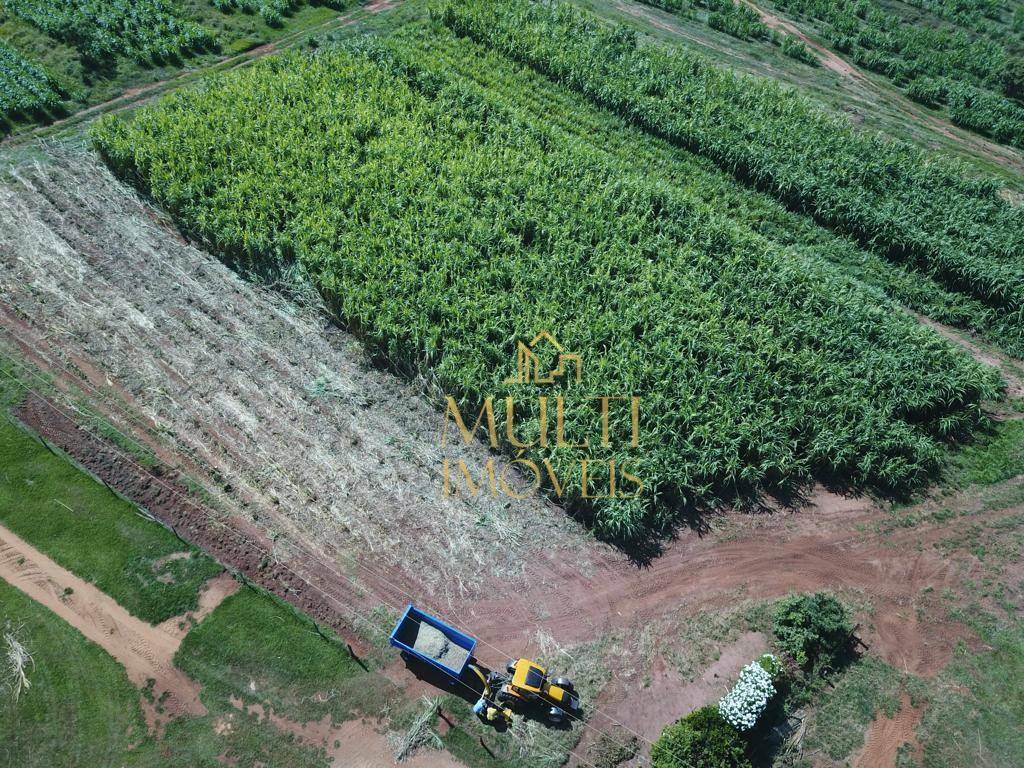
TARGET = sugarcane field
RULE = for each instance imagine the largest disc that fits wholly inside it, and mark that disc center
(512, 383)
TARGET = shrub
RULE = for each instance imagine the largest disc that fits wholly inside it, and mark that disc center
(796, 49)
(702, 739)
(743, 705)
(814, 629)
(772, 666)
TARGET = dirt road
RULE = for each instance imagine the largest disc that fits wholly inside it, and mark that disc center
(145, 651)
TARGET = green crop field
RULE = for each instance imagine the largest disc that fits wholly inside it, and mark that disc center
(24, 87)
(144, 30)
(889, 195)
(56, 56)
(385, 179)
(964, 56)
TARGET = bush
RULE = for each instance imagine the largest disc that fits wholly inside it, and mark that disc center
(702, 739)
(1012, 79)
(747, 700)
(814, 629)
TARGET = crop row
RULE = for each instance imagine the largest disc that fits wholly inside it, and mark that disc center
(143, 30)
(273, 12)
(980, 72)
(442, 226)
(890, 195)
(561, 109)
(739, 21)
(24, 87)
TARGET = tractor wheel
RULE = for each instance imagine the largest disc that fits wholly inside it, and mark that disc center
(510, 666)
(563, 682)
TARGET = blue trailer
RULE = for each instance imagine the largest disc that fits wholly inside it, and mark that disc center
(430, 640)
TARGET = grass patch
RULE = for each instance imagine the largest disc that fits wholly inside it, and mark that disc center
(843, 713)
(301, 673)
(976, 708)
(92, 532)
(996, 455)
(81, 708)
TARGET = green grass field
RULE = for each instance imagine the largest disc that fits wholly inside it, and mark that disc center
(89, 530)
(287, 668)
(976, 706)
(81, 708)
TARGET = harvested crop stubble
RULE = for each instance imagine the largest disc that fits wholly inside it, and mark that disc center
(443, 226)
(434, 644)
(892, 196)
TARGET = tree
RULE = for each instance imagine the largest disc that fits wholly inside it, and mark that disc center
(702, 739)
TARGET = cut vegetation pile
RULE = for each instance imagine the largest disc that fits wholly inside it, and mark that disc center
(434, 644)
(755, 367)
(888, 194)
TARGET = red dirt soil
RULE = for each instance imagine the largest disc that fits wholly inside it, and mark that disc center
(887, 734)
(146, 652)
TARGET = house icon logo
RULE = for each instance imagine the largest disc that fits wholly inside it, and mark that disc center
(528, 365)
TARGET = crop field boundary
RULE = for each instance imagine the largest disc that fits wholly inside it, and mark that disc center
(132, 97)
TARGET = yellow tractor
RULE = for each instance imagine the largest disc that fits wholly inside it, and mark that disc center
(525, 686)
(528, 685)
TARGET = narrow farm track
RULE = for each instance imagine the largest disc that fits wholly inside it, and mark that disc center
(887, 734)
(145, 651)
(862, 86)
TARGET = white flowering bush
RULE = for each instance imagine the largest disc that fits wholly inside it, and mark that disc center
(741, 706)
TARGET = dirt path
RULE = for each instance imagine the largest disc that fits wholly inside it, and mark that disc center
(829, 58)
(887, 735)
(214, 592)
(146, 652)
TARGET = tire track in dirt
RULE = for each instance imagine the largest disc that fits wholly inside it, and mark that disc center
(886, 735)
(145, 651)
